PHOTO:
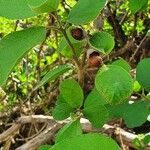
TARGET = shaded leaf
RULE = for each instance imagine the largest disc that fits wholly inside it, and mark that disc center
(134, 114)
(143, 73)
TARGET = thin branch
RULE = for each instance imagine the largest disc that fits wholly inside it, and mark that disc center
(138, 48)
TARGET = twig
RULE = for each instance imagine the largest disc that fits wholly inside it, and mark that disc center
(138, 48)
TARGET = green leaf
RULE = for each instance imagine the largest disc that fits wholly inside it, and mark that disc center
(62, 110)
(94, 98)
(134, 114)
(42, 6)
(65, 49)
(143, 73)
(146, 139)
(97, 115)
(72, 93)
(137, 5)
(148, 33)
(94, 109)
(85, 11)
(103, 42)
(148, 118)
(122, 63)
(44, 147)
(15, 9)
(53, 74)
(136, 86)
(70, 130)
(114, 83)
(14, 46)
(88, 142)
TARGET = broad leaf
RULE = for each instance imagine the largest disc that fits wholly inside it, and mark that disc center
(70, 130)
(97, 115)
(143, 73)
(137, 5)
(94, 98)
(44, 147)
(134, 114)
(103, 42)
(114, 83)
(94, 109)
(42, 6)
(88, 142)
(85, 11)
(62, 110)
(72, 93)
(53, 74)
(122, 63)
(14, 46)
(15, 9)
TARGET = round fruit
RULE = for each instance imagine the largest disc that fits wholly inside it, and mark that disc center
(77, 33)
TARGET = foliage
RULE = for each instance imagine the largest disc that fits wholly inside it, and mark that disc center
(65, 38)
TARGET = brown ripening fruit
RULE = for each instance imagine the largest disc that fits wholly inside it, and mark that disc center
(77, 33)
(94, 60)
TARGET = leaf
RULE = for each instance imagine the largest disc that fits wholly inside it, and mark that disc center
(15, 9)
(94, 109)
(66, 51)
(70, 130)
(137, 5)
(62, 110)
(92, 141)
(148, 33)
(72, 93)
(44, 147)
(97, 115)
(146, 139)
(143, 73)
(14, 46)
(134, 114)
(42, 6)
(85, 11)
(53, 74)
(122, 63)
(103, 42)
(94, 98)
(114, 83)
(136, 86)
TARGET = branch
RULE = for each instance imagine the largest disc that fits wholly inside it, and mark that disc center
(47, 135)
